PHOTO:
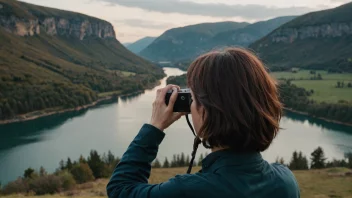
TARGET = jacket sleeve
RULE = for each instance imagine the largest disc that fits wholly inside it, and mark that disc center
(130, 177)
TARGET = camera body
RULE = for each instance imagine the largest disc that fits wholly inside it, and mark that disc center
(183, 101)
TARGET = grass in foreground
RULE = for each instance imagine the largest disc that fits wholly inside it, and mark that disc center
(313, 183)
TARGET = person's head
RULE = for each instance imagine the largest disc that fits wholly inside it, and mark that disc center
(235, 101)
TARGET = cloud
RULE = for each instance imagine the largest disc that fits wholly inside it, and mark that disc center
(340, 1)
(250, 11)
(144, 23)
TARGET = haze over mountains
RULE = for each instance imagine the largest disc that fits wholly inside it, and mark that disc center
(318, 40)
(53, 58)
(141, 44)
(190, 41)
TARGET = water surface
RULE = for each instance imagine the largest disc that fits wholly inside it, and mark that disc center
(113, 124)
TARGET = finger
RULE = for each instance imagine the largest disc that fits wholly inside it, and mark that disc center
(166, 89)
(173, 98)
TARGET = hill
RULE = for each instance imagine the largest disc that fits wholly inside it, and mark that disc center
(52, 58)
(185, 42)
(249, 34)
(312, 183)
(318, 40)
(141, 44)
(191, 42)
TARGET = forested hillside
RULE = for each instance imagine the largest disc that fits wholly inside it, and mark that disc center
(318, 40)
(51, 58)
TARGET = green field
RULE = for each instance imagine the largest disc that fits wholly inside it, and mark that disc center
(324, 90)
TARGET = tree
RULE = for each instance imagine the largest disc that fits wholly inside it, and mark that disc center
(82, 160)
(174, 161)
(298, 161)
(166, 163)
(82, 173)
(187, 160)
(349, 158)
(69, 164)
(338, 84)
(178, 161)
(28, 173)
(182, 160)
(318, 159)
(111, 158)
(319, 77)
(96, 164)
(200, 159)
(62, 165)
(42, 171)
(156, 164)
(349, 85)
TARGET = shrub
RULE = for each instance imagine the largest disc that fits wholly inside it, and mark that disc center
(67, 180)
(48, 184)
(15, 187)
(82, 173)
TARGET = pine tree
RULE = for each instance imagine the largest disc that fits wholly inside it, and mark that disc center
(166, 163)
(28, 173)
(178, 161)
(42, 171)
(156, 164)
(174, 161)
(200, 159)
(187, 160)
(96, 164)
(69, 164)
(318, 159)
(62, 165)
(82, 160)
(182, 160)
(111, 158)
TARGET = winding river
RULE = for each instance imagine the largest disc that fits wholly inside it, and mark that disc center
(113, 124)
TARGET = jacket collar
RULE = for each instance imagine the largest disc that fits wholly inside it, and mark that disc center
(228, 157)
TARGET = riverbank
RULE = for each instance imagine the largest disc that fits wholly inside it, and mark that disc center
(332, 182)
(320, 118)
(54, 111)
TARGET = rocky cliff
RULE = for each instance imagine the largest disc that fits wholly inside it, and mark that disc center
(317, 40)
(53, 23)
(329, 30)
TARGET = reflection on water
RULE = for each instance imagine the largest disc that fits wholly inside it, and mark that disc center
(113, 124)
(131, 97)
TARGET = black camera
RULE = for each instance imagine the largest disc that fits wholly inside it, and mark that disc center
(183, 102)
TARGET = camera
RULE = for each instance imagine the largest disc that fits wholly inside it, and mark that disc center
(183, 101)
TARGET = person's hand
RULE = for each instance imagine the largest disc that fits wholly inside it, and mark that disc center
(163, 115)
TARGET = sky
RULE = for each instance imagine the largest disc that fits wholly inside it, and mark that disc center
(135, 19)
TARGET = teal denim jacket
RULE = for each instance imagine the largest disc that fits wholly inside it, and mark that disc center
(224, 174)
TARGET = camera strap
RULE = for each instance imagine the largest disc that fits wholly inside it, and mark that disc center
(196, 143)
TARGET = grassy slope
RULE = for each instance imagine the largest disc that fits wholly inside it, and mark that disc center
(314, 53)
(313, 183)
(44, 62)
(324, 90)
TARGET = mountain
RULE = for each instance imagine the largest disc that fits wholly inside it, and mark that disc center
(56, 59)
(317, 40)
(126, 44)
(249, 34)
(141, 44)
(185, 42)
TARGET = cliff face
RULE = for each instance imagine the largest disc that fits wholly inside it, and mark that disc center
(331, 30)
(318, 40)
(79, 29)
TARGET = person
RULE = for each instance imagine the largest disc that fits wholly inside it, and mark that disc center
(236, 113)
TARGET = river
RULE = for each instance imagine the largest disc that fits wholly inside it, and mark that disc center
(113, 124)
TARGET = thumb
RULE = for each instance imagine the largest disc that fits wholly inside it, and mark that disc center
(177, 116)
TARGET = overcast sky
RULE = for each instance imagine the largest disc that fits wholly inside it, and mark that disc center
(135, 19)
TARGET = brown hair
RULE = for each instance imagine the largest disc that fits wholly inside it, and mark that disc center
(240, 98)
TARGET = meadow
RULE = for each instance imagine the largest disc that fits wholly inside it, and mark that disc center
(323, 183)
(324, 90)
